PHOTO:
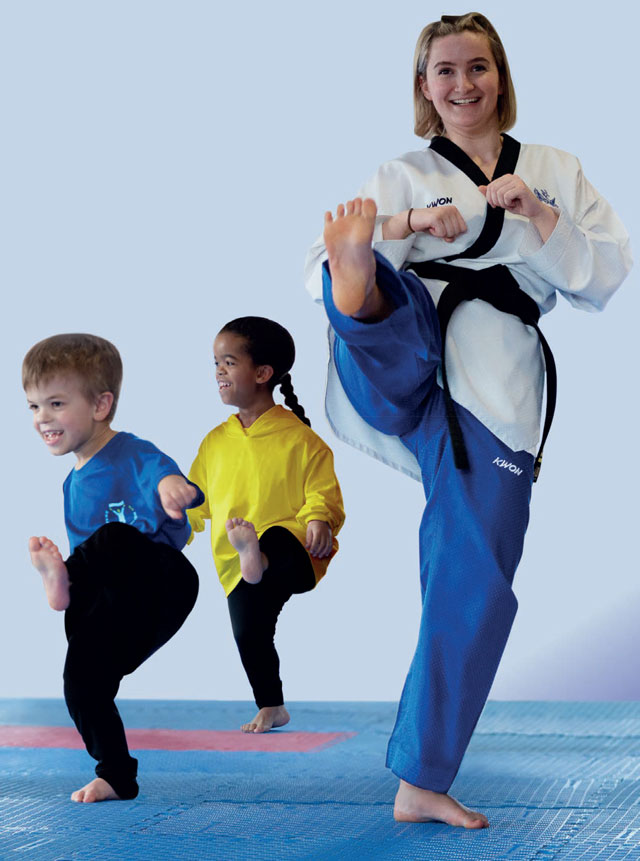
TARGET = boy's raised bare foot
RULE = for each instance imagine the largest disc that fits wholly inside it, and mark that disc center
(46, 557)
(242, 536)
(353, 267)
(267, 718)
(422, 805)
(97, 790)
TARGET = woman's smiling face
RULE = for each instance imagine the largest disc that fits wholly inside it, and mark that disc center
(463, 83)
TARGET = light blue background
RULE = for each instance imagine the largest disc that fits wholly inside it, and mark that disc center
(165, 167)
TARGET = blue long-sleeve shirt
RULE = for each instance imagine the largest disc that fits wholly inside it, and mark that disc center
(120, 484)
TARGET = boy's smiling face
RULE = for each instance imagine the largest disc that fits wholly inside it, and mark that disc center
(66, 419)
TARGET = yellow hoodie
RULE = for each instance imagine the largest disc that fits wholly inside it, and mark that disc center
(277, 472)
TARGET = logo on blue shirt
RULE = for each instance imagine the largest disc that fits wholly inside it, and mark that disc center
(120, 512)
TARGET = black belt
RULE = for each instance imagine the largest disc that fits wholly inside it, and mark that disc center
(497, 286)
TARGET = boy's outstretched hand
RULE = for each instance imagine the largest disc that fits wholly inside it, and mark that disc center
(176, 494)
(319, 538)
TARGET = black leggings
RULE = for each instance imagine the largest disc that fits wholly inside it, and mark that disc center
(129, 596)
(254, 609)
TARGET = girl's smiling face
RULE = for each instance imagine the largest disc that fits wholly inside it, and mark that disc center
(463, 82)
(240, 382)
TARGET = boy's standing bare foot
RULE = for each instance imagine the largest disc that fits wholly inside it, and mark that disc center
(97, 790)
(413, 804)
(267, 718)
(242, 536)
(46, 557)
(351, 261)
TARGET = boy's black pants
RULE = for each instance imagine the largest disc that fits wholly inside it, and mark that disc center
(254, 609)
(129, 596)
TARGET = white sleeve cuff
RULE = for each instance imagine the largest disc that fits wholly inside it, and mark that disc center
(543, 256)
(395, 250)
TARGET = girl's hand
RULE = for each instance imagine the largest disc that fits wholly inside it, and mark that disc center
(319, 538)
(175, 494)
(443, 222)
(514, 195)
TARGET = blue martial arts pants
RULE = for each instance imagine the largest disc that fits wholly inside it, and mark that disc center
(471, 534)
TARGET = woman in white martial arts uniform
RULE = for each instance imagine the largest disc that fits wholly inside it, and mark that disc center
(442, 375)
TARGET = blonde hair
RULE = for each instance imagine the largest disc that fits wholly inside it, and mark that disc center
(427, 120)
(94, 360)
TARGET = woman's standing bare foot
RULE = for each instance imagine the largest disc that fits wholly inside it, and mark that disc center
(242, 536)
(267, 718)
(413, 804)
(353, 267)
(47, 559)
(97, 790)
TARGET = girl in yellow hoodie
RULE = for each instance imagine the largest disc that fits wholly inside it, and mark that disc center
(272, 497)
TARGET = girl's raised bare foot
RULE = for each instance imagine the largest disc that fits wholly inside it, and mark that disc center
(267, 718)
(353, 267)
(46, 557)
(97, 790)
(422, 805)
(242, 536)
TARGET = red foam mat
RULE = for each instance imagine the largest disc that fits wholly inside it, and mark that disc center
(174, 739)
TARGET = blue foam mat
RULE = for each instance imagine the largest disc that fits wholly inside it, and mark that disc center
(557, 781)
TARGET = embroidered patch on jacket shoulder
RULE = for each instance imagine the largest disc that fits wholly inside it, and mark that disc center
(545, 197)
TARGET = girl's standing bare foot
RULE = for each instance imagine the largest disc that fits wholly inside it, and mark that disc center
(242, 536)
(97, 790)
(351, 261)
(267, 718)
(47, 559)
(422, 805)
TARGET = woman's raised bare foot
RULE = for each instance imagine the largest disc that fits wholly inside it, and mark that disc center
(242, 536)
(267, 718)
(353, 267)
(47, 559)
(97, 790)
(422, 805)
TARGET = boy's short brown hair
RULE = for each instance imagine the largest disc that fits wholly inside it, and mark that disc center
(94, 360)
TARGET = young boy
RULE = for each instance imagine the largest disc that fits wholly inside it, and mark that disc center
(126, 587)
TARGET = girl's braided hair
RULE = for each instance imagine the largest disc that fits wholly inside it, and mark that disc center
(269, 343)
